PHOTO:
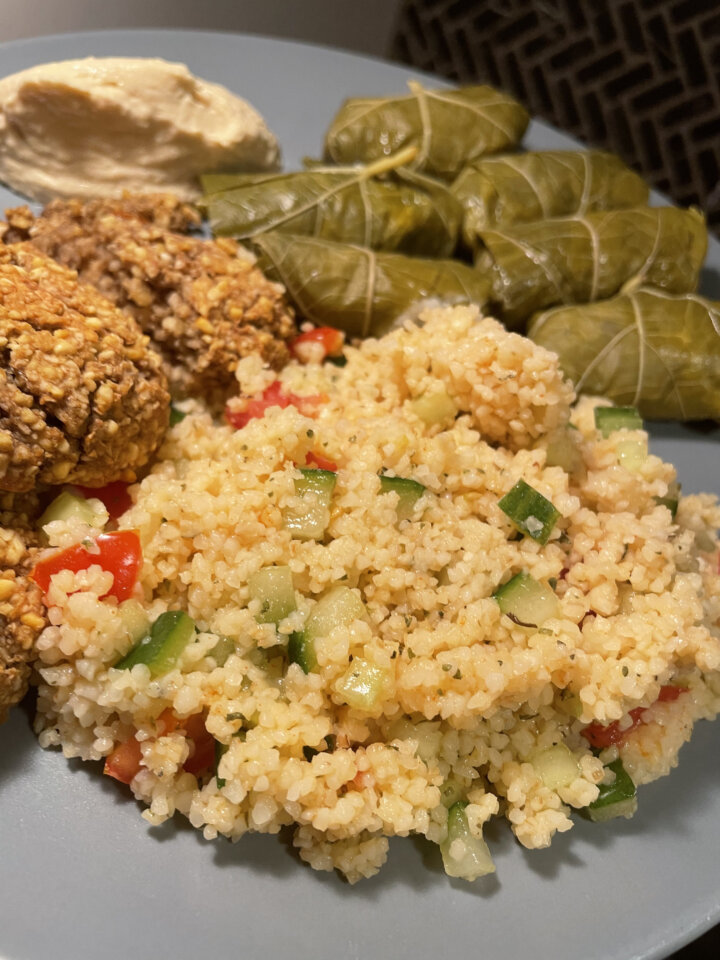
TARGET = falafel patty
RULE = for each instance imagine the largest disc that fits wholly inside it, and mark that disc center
(83, 398)
(204, 303)
(22, 614)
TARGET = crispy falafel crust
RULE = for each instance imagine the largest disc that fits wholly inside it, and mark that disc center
(22, 614)
(203, 302)
(83, 398)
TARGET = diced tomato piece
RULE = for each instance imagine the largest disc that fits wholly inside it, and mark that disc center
(600, 736)
(166, 723)
(318, 460)
(114, 496)
(202, 755)
(273, 396)
(125, 761)
(119, 553)
(309, 406)
(330, 339)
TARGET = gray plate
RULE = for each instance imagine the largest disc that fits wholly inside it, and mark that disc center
(84, 877)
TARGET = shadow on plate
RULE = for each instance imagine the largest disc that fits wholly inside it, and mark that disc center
(17, 740)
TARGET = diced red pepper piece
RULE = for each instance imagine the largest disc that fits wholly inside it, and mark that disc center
(274, 396)
(124, 762)
(114, 496)
(318, 460)
(330, 339)
(600, 736)
(118, 552)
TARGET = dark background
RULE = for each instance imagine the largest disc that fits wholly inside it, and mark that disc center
(637, 77)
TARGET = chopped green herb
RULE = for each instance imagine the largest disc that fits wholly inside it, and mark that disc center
(220, 750)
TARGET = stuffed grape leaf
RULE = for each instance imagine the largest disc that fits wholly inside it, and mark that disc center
(344, 204)
(449, 128)
(647, 349)
(517, 187)
(591, 257)
(357, 289)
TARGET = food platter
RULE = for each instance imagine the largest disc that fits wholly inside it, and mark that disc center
(83, 872)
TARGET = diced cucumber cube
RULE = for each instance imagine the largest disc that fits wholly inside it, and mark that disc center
(464, 855)
(315, 488)
(672, 498)
(160, 650)
(135, 619)
(70, 506)
(408, 491)
(434, 407)
(609, 419)
(632, 454)
(563, 451)
(301, 650)
(222, 650)
(531, 512)
(557, 766)
(526, 601)
(273, 588)
(338, 607)
(362, 685)
(616, 799)
(426, 733)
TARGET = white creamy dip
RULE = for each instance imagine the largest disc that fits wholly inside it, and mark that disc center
(97, 127)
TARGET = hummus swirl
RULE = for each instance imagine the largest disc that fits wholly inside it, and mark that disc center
(97, 127)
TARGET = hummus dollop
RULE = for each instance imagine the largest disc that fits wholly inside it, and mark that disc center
(100, 126)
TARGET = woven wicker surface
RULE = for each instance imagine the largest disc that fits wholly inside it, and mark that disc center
(638, 77)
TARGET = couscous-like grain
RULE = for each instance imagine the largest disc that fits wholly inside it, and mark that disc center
(431, 709)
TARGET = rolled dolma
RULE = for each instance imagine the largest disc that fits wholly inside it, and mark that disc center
(647, 349)
(518, 187)
(357, 289)
(450, 128)
(344, 204)
(591, 257)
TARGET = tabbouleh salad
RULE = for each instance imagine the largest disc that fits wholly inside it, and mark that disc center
(400, 596)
